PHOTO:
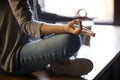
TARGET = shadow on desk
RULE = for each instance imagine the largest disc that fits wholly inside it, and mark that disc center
(40, 75)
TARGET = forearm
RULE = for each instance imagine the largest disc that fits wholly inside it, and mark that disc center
(61, 18)
(52, 28)
(67, 28)
(52, 18)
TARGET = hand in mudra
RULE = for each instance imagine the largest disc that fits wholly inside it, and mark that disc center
(75, 27)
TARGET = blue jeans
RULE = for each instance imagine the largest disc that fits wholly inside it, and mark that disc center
(37, 54)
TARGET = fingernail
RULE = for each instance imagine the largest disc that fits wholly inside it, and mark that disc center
(94, 34)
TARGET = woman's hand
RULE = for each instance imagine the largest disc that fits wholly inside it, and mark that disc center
(75, 27)
(87, 32)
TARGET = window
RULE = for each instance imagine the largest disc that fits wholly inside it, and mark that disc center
(102, 9)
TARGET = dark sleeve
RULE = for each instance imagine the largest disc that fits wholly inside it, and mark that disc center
(45, 16)
(23, 14)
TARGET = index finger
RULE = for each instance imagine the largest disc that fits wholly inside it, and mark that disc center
(88, 32)
(78, 23)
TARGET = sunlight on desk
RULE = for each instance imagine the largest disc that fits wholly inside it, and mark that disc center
(103, 47)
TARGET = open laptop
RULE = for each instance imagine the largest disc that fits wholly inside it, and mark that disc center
(104, 73)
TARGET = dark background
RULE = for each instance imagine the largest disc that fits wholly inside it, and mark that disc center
(116, 12)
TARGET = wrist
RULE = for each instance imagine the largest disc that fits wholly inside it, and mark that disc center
(66, 29)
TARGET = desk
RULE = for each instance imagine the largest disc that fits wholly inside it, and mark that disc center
(103, 47)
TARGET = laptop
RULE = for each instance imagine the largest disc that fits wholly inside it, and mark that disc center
(104, 74)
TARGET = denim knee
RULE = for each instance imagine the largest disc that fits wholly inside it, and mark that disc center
(72, 43)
